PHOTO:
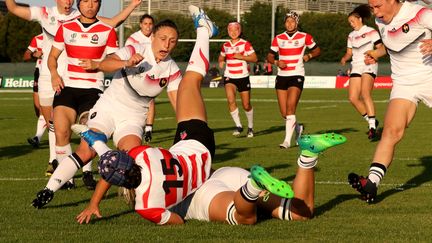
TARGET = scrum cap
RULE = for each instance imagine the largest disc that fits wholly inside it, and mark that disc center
(292, 14)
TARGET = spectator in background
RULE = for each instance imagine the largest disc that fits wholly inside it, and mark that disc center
(340, 73)
(214, 73)
(257, 68)
(268, 69)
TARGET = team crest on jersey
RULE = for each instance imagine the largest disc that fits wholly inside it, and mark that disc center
(93, 115)
(163, 82)
(283, 43)
(73, 36)
(94, 39)
(237, 49)
(183, 135)
(296, 43)
(52, 20)
(405, 28)
(363, 36)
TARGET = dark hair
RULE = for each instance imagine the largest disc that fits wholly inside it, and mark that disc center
(133, 177)
(146, 16)
(362, 11)
(165, 23)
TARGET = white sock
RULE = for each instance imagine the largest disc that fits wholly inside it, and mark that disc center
(64, 172)
(63, 152)
(148, 128)
(307, 162)
(100, 147)
(249, 191)
(40, 127)
(372, 122)
(284, 210)
(236, 118)
(88, 166)
(51, 142)
(199, 60)
(366, 117)
(249, 115)
(290, 123)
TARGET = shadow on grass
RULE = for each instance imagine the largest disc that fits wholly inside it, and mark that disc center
(13, 151)
(424, 177)
(105, 218)
(320, 210)
(74, 204)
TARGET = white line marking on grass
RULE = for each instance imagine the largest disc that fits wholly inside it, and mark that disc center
(26, 98)
(23, 179)
(319, 107)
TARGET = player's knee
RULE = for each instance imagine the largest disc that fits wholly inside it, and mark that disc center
(393, 133)
(83, 118)
(246, 220)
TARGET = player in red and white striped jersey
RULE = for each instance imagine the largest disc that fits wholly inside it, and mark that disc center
(236, 53)
(50, 19)
(291, 46)
(163, 178)
(142, 36)
(85, 41)
(363, 38)
(35, 50)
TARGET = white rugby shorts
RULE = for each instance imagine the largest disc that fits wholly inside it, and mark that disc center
(413, 93)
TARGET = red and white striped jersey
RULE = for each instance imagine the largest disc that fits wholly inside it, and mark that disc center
(144, 81)
(36, 45)
(360, 41)
(402, 37)
(137, 37)
(50, 20)
(169, 176)
(79, 42)
(236, 68)
(291, 50)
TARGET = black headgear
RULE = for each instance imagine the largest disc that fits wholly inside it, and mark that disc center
(78, 3)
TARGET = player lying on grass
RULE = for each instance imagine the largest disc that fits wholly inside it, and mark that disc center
(144, 70)
(233, 195)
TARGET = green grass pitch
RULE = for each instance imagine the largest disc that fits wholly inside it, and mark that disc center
(403, 211)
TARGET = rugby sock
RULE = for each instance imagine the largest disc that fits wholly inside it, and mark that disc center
(307, 162)
(148, 128)
(64, 172)
(290, 123)
(40, 127)
(52, 142)
(199, 60)
(365, 116)
(372, 122)
(87, 167)
(250, 191)
(100, 147)
(236, 118)
(284, 211)
(62, 152)
(249, 115)
(376, 172)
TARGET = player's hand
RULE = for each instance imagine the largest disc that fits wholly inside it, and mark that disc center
(426, 47)
(37, 54)
(221, 65)
(134, 60)
(87, 214)
(343, 61)
(136, 3)
(281, 64)
(238, 56)
(57, 83)
(370, 57)
(88, 64)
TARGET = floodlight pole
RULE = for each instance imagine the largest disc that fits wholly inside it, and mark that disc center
(149, 7)
(121, 28)
(238, 11)
(273, 20)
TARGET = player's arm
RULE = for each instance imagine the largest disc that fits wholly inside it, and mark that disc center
(93, 207)
(372, 56)
(122, 16)
(315, 52)
(250, 58)
(221, 61)
(271, 58)
(56, 80)
(27, 55)
(346, 57)
(20, 11)
(113, 63)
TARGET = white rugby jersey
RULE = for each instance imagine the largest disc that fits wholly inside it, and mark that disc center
(402, 38)
(137, 37)
(79, 42)
(360, 41)
(291, 51)
(236, 68)
(144, 81)
(50, 20)
(169, 176)
(36, 45)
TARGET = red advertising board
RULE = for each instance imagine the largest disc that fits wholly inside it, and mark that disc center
(381, 82)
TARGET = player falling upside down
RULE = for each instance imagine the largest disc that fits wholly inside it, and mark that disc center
(144, 70)
(233, 195)
(163, 178)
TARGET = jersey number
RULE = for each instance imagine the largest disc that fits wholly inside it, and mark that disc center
(170, 169)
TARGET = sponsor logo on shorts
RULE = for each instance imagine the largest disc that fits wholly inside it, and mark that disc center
(183, 135)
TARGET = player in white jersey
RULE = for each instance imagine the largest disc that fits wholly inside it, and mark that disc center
(163, 178)
(236, 53)
(50, 19)
(290, 46)
(35, 50)
(233, 195)
(143, 36)
(363, 38)
(143, 72)
(406, 31)
(85, 41)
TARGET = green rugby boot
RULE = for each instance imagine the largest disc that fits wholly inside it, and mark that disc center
(267, 182)
(312, 145)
